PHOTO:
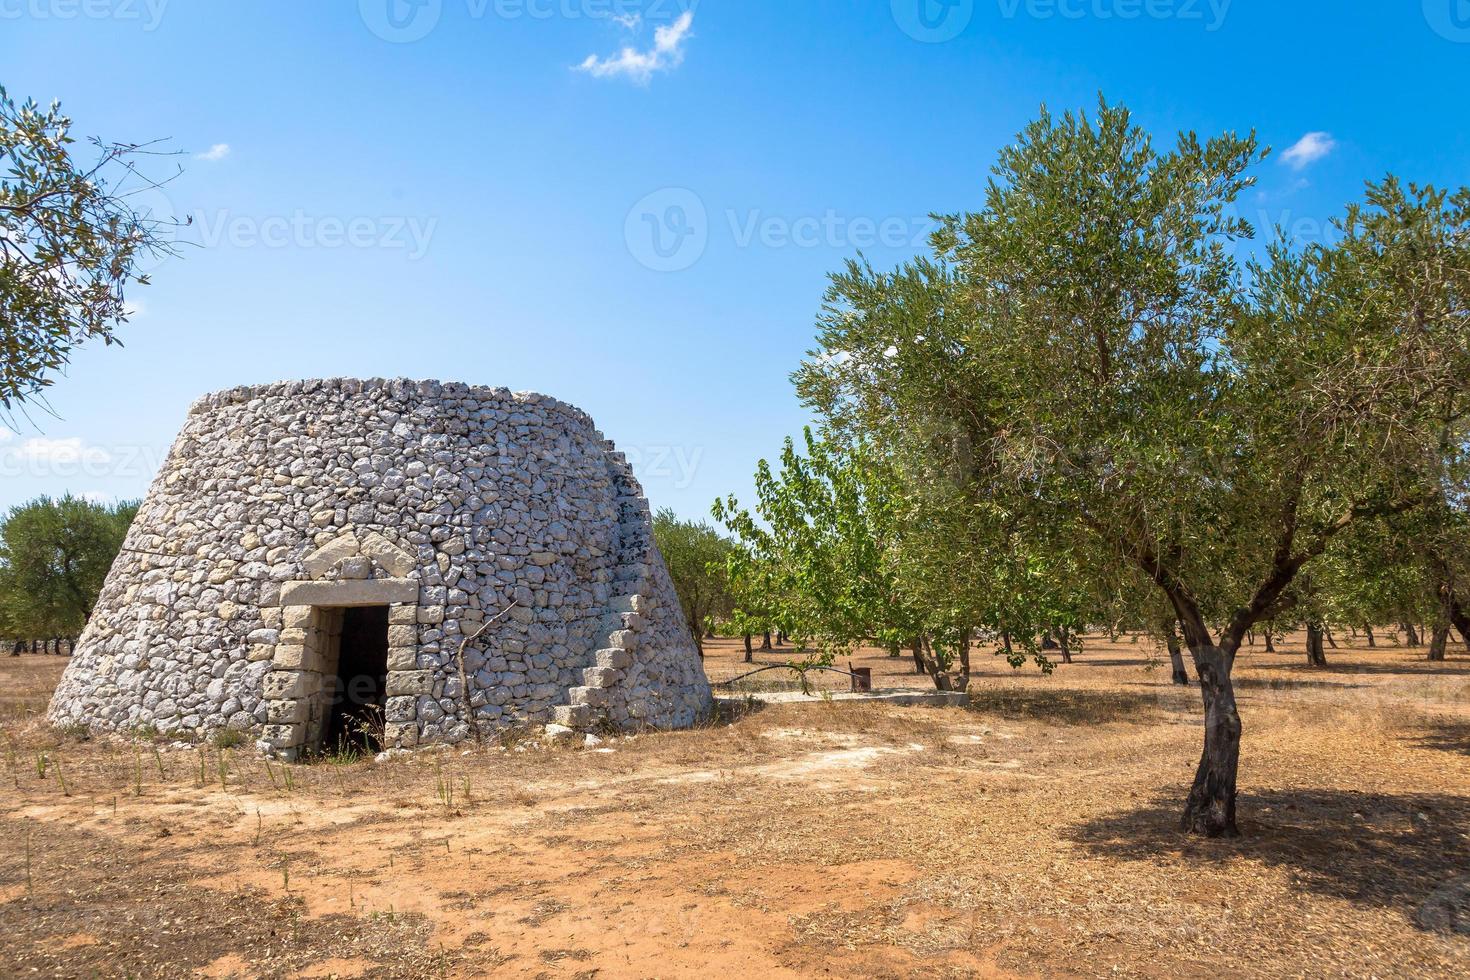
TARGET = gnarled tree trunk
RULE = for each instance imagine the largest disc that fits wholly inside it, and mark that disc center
(1438, 641)
(1176, 659)
(1316, 656)
(1460, 618)
(1210, 808)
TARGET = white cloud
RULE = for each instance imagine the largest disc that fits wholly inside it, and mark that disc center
(629, 21)
(44, 451)
(1308, 150)
(5, 434)
(215, 153)
(638, 66)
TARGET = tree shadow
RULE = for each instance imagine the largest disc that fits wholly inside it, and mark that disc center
(1288, 683)
(1445, 737)
(1068, 706)
(1381, 850)
(1451, 667)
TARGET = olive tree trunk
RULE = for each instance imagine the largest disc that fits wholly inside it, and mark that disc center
(1438, 641)
(1176, 659)
(1210, 808)
(1316, 656)
(1461, 619)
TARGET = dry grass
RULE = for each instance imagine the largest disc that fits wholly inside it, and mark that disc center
(1031, 835)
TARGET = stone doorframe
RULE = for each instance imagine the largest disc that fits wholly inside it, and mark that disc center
(297, 690)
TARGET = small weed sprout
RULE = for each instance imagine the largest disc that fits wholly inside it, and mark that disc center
(228, 738)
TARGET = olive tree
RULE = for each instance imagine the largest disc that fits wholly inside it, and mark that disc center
(71, 244)
(54, 556)
(1118, 380)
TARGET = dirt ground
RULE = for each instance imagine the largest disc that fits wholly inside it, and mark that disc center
(1032, 834)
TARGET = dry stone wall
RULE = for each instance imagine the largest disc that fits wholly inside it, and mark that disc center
(455, 506)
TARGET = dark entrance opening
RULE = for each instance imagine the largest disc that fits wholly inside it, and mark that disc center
(362, 678)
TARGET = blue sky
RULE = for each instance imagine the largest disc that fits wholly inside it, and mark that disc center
(633, 205)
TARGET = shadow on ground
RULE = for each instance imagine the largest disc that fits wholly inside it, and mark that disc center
(1382, 850)
(1070, 706)
(1444, 736)
(1454, 666)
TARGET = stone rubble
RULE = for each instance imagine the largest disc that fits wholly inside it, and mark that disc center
(451, 504)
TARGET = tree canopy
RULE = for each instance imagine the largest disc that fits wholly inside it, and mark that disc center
(1083, 385)
(695, 554)
(54, 556)
(72, 241)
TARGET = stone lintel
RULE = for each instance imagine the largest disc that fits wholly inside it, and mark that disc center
(361, 592)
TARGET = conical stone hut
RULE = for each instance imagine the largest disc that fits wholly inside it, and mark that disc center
(388, 563)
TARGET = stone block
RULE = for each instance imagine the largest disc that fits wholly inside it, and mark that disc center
(286, 712)
(281, 684)
(627, 604)
(284, 736)
(403, 636)
(403, 658)
(614, 657)
(403, 615)
(603, 677)
(572, 715)
(296, 617)
(373, 592)
(292, 656)
(406, 682)
(401, 735)
(622, 639)
(595, 696)
(322, 560)
(401, 709)
(394, 559)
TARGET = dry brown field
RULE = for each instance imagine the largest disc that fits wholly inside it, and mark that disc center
(1032, 834)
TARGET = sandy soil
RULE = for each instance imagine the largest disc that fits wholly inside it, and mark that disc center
(1030, 835)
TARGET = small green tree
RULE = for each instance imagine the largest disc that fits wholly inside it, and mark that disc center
(54, 556)
(817, 552)
(71, 242)
(695, 554)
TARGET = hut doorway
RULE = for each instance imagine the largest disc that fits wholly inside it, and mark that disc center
(361, 678)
